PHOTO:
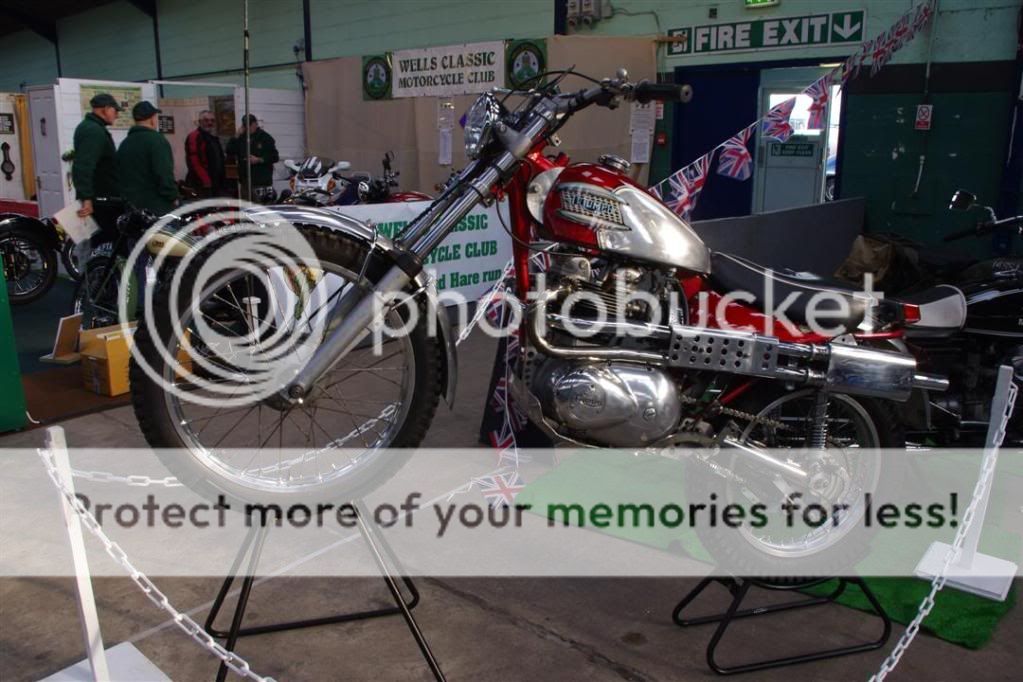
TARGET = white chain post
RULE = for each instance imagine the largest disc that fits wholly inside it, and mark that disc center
(78, 512)
(87, 614)
(941, 577)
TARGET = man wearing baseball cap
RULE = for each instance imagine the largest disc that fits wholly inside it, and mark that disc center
(261, 158)
(93, 168)
(145, 163)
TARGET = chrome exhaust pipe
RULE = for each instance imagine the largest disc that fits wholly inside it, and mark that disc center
(840, 368)
(930, 382)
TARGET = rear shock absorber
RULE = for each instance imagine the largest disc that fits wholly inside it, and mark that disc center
(818, 439)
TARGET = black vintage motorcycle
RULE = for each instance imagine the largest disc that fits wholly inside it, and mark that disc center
(971, 324)
(29, 248)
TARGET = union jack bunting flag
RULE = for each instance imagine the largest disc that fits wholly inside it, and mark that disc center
(776, 123)
(684, 186)
(922, 16)
(902, 32)
(495, 310)
(734, 159)
(850, 68)
(500, 490)
(819, 92)
(883, 48)
(499, 401)
(503, 440)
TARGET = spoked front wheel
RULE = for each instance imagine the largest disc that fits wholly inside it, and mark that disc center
(354, 429)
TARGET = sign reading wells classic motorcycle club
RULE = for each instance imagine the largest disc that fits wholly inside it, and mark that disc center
(452, 69)
(470, 260)
(448, 70)
(831, 28)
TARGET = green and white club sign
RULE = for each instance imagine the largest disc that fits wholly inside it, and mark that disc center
(471, 259)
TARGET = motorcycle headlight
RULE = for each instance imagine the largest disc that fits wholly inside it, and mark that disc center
(479, 123)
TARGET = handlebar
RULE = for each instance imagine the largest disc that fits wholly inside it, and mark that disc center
(985, 227)
(646, 91)
(610, 90)
(968, 232)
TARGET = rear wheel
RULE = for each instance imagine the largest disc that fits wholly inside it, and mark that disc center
(353, 430)
(839, 474)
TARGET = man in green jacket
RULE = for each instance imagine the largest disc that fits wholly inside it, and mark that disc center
(145, 163)
(262, 157)
(93, 169)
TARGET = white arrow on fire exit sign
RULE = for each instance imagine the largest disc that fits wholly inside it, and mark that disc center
(830, 28)
(846, 25)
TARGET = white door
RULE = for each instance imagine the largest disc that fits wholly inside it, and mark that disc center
(790, 173)
(46, 150)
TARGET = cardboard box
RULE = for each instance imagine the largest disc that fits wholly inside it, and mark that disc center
(105, 353)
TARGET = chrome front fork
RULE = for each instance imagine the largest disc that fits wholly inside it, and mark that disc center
(358, 312)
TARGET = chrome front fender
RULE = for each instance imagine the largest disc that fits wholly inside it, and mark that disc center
(365, 233)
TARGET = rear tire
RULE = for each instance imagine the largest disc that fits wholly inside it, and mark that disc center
(743, 556)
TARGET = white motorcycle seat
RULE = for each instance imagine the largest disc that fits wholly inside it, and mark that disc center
(942, 312)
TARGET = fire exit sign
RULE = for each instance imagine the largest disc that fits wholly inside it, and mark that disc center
(832, 28)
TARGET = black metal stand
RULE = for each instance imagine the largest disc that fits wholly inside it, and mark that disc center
(256, 539)
(740, 587)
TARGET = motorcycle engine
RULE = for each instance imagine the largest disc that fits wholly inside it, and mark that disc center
(609, 403)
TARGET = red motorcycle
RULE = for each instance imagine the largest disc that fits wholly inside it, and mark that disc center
(693, 353)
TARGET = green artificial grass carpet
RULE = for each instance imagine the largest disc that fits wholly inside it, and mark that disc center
(598, 477)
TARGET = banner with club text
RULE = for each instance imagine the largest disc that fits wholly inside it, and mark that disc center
(470, 260)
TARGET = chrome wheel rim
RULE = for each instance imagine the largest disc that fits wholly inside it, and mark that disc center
(329, 437)
(856, 451)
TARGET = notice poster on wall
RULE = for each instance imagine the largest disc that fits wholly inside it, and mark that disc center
(470, 260)
(126, 96)
(448, 70)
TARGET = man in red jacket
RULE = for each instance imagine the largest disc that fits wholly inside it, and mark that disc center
(205, 157)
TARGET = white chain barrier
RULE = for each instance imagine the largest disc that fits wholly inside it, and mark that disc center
(938, 581)
(185, 622)
(133, 480)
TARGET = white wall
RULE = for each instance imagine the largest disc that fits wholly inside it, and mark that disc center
(11, 189)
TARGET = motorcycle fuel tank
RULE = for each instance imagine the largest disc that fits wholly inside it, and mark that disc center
(995, 309)
(597, 207)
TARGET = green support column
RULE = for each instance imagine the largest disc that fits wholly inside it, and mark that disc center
(12, 396)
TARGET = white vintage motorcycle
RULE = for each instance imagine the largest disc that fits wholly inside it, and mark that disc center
(655, 377)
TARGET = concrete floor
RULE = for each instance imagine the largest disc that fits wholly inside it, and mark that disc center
(481, 628)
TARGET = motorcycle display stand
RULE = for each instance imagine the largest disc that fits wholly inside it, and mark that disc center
(382, 554)
(740, 588)
(973, 571)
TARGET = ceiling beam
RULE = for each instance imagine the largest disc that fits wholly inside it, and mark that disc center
(47, 29)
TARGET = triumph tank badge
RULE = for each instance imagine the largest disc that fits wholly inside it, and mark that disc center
(591, 206)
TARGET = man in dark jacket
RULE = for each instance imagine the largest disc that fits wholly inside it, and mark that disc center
(205, 157)
(263, 156)
(93, 169)
(145, 164)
